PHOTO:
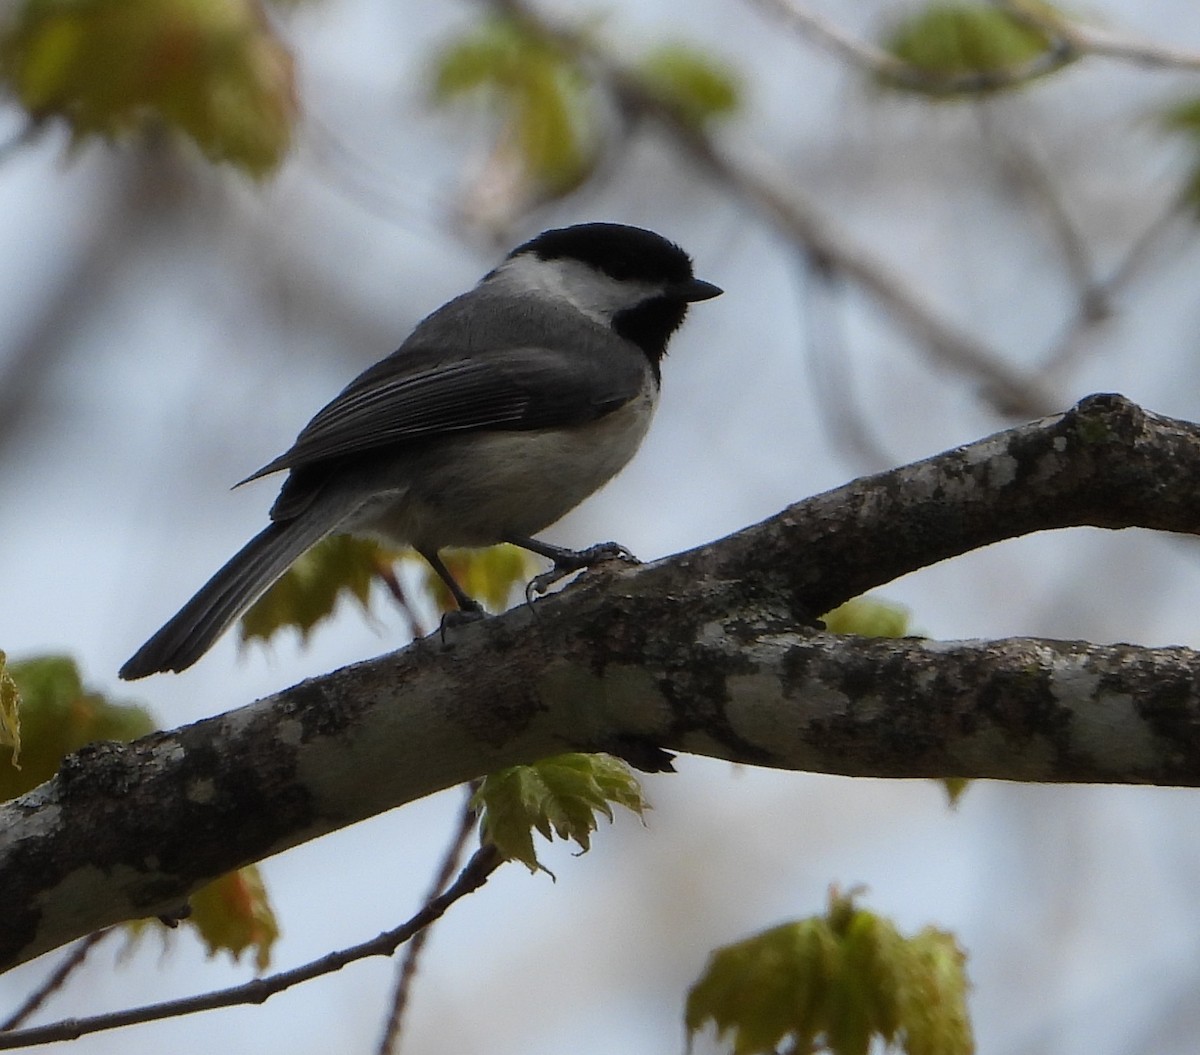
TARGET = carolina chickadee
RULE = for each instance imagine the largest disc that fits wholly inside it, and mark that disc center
(502, 411)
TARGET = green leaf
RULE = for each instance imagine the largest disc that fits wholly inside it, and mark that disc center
(210, 69)
(309, 591)
(544, 102)
(953, 38)
(58, 716)
(1183, 119)
(697, 86)
(955, 787)
(10, 714)
(868, 617)
(772, 986)
(559, 796)
(834, 983)
(933, 997)
(233, 914)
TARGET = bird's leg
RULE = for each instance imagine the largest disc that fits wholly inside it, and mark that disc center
(566, 560)
(469, 609)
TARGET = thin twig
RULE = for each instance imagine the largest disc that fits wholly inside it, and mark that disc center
(54, 982)
(1090, 40)
(483, 863)
(1104, 292)
(1068, 41)
(1025, 171)
(828, 359)
(1059, 52)
(389, 1042)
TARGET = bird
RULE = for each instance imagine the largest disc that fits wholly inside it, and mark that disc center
(502, 411)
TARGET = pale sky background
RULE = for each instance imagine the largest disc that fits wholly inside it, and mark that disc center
(195, 322)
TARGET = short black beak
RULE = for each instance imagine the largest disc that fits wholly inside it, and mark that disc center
(696, 289)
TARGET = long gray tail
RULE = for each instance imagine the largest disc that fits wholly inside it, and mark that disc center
(244, 578)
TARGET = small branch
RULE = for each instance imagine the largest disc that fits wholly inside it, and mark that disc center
(73, 960)
(1096, 306)
(1090, 40)
(829, 360)
(895, 72)
(1069, 41)
(484, 862)
(389, 1042)
(1024, 170)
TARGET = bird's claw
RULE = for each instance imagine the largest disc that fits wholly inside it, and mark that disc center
(567, 563)
(459, 617)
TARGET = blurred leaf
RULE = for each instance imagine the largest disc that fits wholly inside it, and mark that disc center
(10, 714)
(868, 617)
(545, 105)
(233, 913)
(955, 787)
(833, 983)
(696, 85)
(933, 996)
(954, 38)
(344, 565)
(211, 69)
(311, 588)
(1183, 118)
(488, 575)
(559, 796)
(57, 717)
(768, 987)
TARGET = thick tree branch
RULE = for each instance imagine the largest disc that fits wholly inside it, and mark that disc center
(709, 652)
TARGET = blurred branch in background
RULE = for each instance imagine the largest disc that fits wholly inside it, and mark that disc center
(786, 207)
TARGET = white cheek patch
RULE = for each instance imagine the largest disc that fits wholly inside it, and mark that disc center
(590, 292)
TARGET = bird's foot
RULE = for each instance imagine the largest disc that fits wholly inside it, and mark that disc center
(568, 561)
(461, 617)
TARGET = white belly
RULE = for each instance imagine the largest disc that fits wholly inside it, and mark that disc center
(477, 489)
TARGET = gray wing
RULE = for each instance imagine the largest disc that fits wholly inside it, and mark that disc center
(435, 385)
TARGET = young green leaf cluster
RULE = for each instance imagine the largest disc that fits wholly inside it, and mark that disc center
(233, 913)
(952, 38)
(695, 85)
(210, 69)
(346, 566)
(309, 591)
(59, 715)
(539, 91)
(834, 983)
(552, 127)
(559, 796)
(868, 617)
